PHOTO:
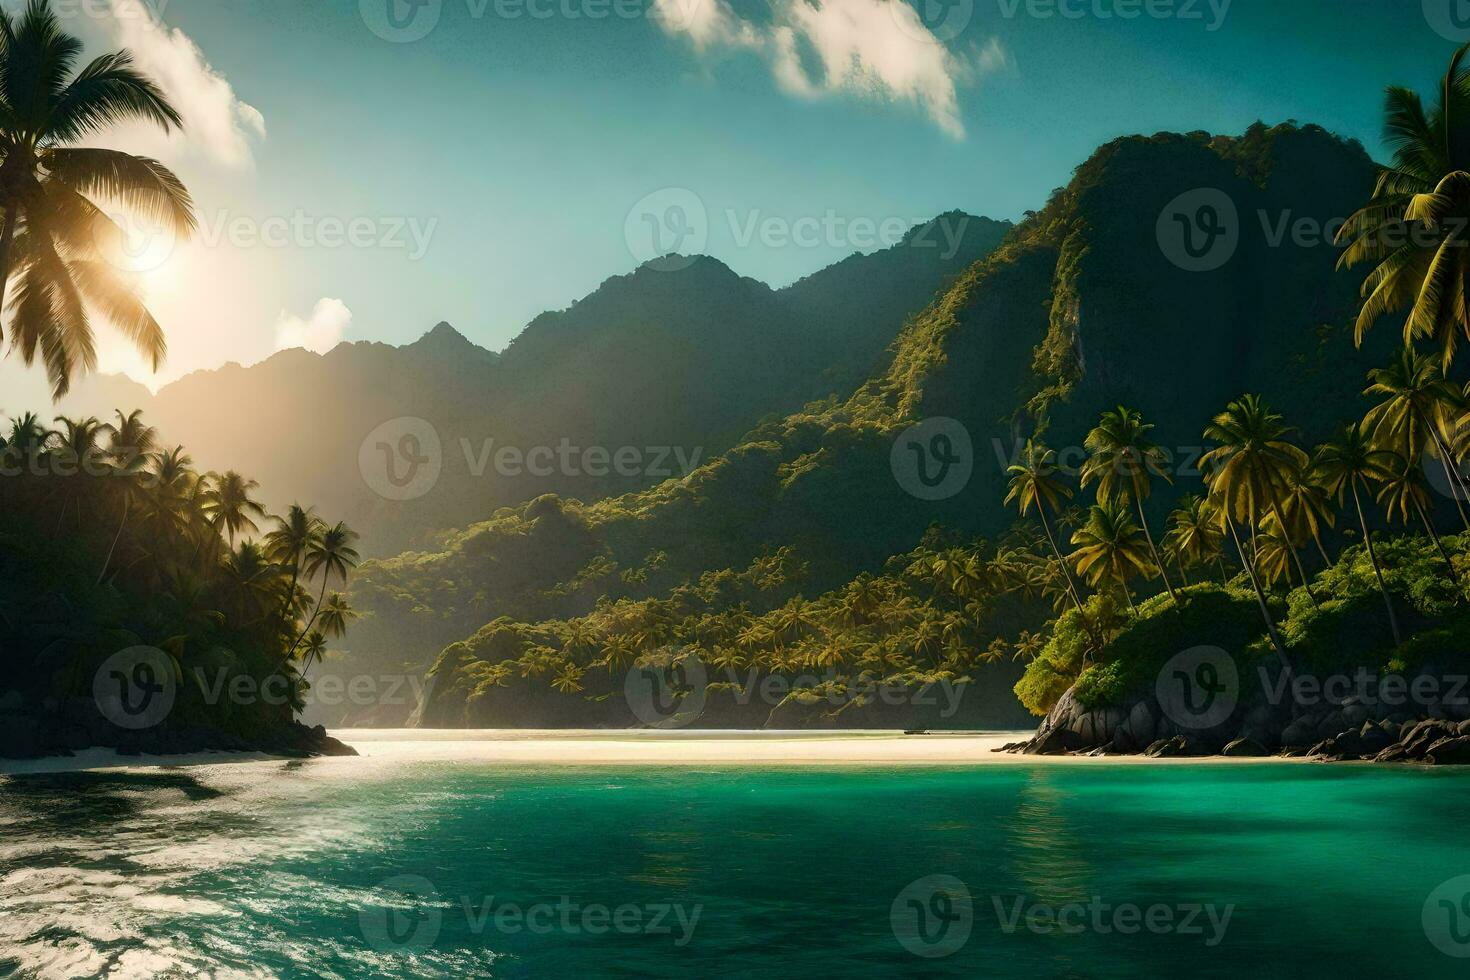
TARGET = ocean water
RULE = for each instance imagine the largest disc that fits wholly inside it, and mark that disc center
(387, 867)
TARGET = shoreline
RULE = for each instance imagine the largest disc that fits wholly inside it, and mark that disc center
(636, 747)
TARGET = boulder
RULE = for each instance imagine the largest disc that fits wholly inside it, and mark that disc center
(1373, 739)
(1450, 752)
(1168, 748)
(1140, 723)
(1300, 733)
(1058, 741)
(1245, 747)
(1394, 753)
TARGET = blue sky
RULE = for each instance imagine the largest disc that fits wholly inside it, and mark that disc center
(516, 146)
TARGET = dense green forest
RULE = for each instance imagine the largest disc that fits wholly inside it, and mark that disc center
(1075, 313)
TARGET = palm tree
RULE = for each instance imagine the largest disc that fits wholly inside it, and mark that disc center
(288, 543)
(1123, 461)
(1194, 534)
(1246, 474)
(1412, 228)
(1111, 547)
(1034, 485)
(329, 553)
(1351, 463)
(1308, 508)
(228, 502)
(1403, 492)
(1418, 404)
(129, 445)
(54, 234)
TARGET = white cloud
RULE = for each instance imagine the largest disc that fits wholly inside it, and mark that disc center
(319, 332)
(876, 49)
(217, 124)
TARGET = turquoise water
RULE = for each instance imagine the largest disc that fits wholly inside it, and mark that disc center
(357, 868)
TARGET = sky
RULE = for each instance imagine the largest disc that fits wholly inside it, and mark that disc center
(363, 169)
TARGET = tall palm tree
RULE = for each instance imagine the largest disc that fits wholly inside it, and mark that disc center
(1350, 464)
(329, 553)
(1246, 473)
(287, 545)
(1194, 534)
(1416, 411)
(1308, 509)
(129, 444)
(1403, 493)
(1413, 227)
(55, 235)
(1034, 484)
(1111, 547)
(228, 504)
(1123, 462)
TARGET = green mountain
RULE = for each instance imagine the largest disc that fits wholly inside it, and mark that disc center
(1082, 307)
(671, 363)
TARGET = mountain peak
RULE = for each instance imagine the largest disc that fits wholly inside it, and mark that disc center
(445, 341)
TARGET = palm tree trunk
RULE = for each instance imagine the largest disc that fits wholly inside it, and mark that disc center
(1321, 550)
(1158, 562)
(1250, 571)
(1291, 549)
(1438, 544)
(1067, 575)
(1458, 489)
(1129, 596)
(315, 610)
(127, 500)
(1183, 576)
(6, 237)
(1393, 620)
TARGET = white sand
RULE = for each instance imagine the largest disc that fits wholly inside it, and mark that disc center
(585, 747)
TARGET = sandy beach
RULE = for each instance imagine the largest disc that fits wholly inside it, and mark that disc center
(584, 747)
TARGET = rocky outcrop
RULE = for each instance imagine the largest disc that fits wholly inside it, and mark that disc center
(62, 728)
(1358, 726)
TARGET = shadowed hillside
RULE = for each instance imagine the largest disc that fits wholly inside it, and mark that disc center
(1081, 307)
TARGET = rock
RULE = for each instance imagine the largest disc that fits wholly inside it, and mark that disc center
(1293, 752)
(1450, 752)
(1243, 747)
(1332, 723)
(1463, 727)
(1327, 750)
(1394, 753)
(1354, 715)
(1373, 739)
(1168, 748)
(1141, 723)
(1300, 733)
(1350, 743)
(1058, 741)
(1123, 743)
(1418, 738)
